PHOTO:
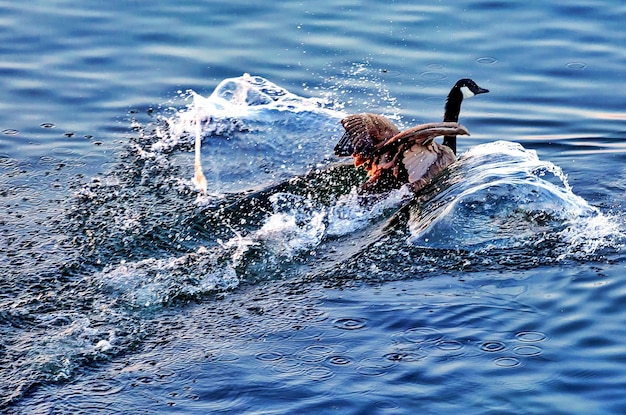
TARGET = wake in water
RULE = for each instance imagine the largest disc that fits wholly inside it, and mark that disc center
(278, 207)
(502, 196)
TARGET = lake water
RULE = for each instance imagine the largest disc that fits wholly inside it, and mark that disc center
(499, 289)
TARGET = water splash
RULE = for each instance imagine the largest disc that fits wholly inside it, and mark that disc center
(139, 238)
(498, 198)
(253, 132)
(502, 196)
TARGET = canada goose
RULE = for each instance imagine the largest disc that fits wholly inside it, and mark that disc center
(464, 88)
(393, 158)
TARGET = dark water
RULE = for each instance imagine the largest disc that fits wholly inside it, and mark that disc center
(499, 289)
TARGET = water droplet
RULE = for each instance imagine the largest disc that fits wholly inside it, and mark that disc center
(319, 373)
(311, 358)
(269, 356)
(10, 131)
(530, 336)
(394, 357)
(339, 360)
(433, 75)
(386, 405)
(288, 365)
(350, 323)
(486, 60)
(47, 125)
(62, 151)
(436, 67)
(507, 362)
(374, 367)
(422, 335)
(492, 346)
(227, 358)
(406, 356)
(528, 350)
(449, 345)
(103, 387)
(319, 349)
(576, 66)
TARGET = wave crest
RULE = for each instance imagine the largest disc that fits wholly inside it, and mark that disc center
(500, 195)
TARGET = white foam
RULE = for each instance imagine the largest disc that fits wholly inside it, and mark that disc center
(500, 194)
(234, 102)
(152, 281)
(249, 132)
(350, 213)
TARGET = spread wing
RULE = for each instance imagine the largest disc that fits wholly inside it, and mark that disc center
(365, 133)
(423, 163)
(423, 134)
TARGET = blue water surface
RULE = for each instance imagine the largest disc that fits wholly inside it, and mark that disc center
(123, 289)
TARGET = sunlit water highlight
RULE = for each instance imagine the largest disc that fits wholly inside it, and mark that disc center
(497, 290)
(164, 243)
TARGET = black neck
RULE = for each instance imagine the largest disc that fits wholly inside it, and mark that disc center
(451, 114)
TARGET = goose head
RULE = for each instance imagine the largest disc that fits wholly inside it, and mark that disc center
(469, 88)
(464, 88)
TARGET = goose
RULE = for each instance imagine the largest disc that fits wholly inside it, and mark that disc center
(393, 158)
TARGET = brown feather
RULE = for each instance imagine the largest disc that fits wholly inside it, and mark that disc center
(364, 133)
(393, 158)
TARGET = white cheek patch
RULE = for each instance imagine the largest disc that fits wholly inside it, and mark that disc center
(467, 93)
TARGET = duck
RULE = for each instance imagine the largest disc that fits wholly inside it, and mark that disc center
(393, 158)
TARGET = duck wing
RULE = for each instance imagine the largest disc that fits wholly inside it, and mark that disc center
(365, 133)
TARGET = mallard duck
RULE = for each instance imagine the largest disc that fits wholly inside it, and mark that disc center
(393, 158)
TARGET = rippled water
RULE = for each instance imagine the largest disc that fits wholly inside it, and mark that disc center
(497, 289)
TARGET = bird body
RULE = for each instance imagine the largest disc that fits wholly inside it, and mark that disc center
(393, 158)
